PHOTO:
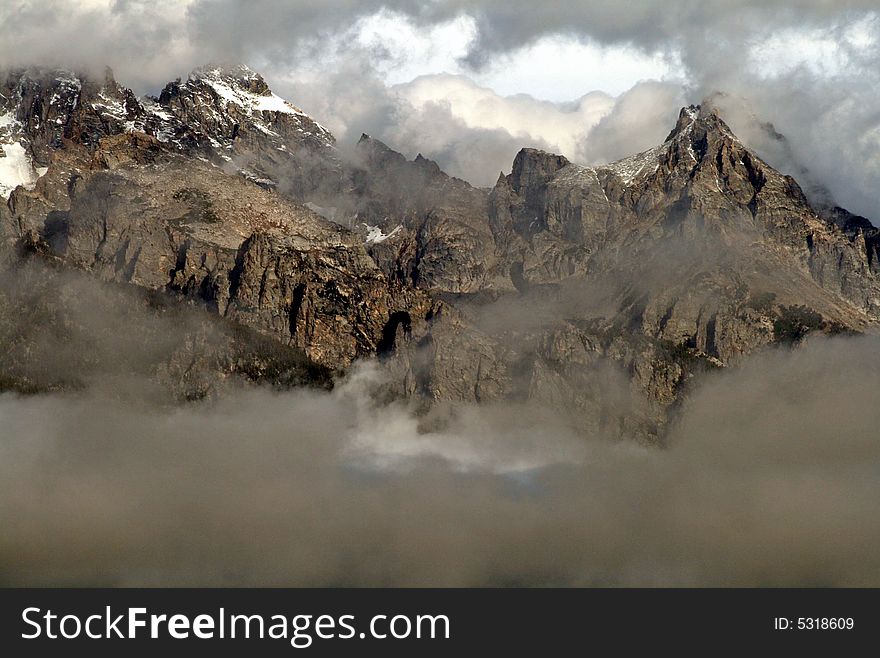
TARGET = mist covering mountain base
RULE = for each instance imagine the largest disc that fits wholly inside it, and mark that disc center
(236, 352)
(769, 478)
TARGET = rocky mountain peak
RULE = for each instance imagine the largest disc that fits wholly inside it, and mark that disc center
(43, 108)
(698, 127)
(376, 154)
(242, 87)
(226, 115)
(533, 167)
(230, 116)
(686, 118)
(238, 76)
(430, 167)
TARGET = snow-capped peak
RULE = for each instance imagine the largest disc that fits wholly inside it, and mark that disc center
(245, 88)
(224, 115)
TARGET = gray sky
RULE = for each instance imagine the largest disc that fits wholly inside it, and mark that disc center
(469, 82)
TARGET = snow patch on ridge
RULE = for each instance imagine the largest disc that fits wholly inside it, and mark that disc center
(628, 169)
(16, 168)
(376, 236)
(647, 162)
(226, 88)
(247, 100)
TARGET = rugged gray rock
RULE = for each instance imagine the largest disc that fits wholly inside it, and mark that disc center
(602, 291)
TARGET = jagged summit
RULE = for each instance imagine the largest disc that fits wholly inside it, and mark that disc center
(702, 184)
(376, 154)
(694, 123)
(243, 87)
(686, 118)
(226, 115)
(237, 71)
(367, 143)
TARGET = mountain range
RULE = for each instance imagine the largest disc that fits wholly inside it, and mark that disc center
(216, 235)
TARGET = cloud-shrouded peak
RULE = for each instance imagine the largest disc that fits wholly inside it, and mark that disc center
(466, 81)
(241, 74)
(241, 85)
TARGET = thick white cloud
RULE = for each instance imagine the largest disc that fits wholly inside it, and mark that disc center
(145, 42)
(640, 119)
(560, 127)
(552, 68)
(473, 132)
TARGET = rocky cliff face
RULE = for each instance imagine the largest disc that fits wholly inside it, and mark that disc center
(424, 228)
(655, 268)
(603, 291)
(153, 211)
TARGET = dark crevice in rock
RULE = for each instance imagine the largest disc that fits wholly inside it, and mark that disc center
(719, 165)
(179, 266)
(701, 147)
(235, 274)
(129, 267)
(55, 230)
(477, 378)
(295, 306)
(388, 343)
(711, 347)
(757, 180)
(667, 316)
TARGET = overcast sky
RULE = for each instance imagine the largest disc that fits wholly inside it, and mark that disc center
(469, 82)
